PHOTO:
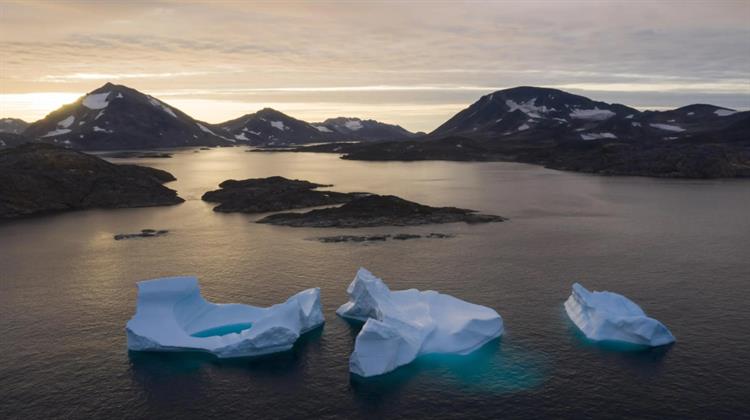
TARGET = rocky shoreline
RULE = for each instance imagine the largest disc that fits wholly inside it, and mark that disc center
(380, 238)
(379, 210)
(39, 178)
(144, 233)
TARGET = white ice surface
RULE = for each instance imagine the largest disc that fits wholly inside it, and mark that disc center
(608, 316)
(96, 100)
(401, 325)
(171, 311)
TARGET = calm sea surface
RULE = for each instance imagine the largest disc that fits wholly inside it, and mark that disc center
(681, 249)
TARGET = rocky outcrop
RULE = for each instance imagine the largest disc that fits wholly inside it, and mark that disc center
(144, 233)
(276, 193)
(380, 238)
(379, 210)
(39, 178)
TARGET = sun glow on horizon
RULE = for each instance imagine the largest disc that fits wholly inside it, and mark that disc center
(33, 106)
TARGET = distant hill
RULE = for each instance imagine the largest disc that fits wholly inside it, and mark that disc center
(269, 127)
(12, 125)
(118, 117)
(363, 130)
(565, 131)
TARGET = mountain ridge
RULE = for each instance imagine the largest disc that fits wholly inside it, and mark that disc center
(118, 117)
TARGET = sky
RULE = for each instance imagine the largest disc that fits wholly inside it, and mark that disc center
(413, 63)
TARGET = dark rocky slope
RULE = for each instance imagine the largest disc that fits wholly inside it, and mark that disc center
(12, 140)
(39, 178)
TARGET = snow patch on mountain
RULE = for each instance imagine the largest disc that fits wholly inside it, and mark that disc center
(724, 112)
(57, 132)
(323, 129)
(668, 127)
(529, 108)
(102, 130)
(279, 125)
(595, 114)
(66, 122)
(353, 125)
(597, 136)
(96, 100)
(163, 107)
(204, 128)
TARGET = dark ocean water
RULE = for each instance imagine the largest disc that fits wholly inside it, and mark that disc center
(681, 249)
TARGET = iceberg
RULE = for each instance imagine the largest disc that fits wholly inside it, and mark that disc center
(608, 316)
(401, 325)
(171, 315)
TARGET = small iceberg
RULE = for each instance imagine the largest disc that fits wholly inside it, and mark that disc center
(401, 325)
(171, 315)
(607, 316)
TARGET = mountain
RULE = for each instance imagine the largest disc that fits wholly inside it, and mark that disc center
(40, 178)
(571, 132)
(118, 117)
(12, 125)
(363, 130)
(511, 111)
(269, 127)
(541, 114)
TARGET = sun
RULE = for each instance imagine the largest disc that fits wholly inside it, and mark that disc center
(33, 106)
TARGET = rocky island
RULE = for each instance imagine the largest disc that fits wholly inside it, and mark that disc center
(276, 193)
(38, 178)
(379, 210)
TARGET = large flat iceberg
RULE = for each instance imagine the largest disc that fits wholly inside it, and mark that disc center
(404, 324)
(171, 315)
(607, 316)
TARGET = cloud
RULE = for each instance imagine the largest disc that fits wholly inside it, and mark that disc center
(386, 52)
